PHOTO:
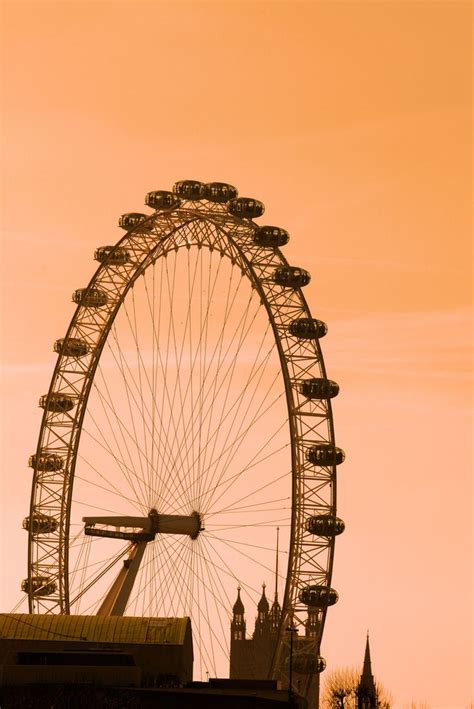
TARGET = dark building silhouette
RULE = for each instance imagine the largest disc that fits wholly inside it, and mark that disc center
(118, 661)
(366, 694)
(251, 658)
(115, 650)
(215, 694)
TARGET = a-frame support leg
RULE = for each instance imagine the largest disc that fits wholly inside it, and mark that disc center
(116, 599)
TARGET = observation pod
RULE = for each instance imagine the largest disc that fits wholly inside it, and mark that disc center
(189, 189)
(111, 254)
(306, 663)
(271, 237)
(90, 298)
(319, 388)
(325, 525)
(308, 328)
(291, 277)
(219, 192)
(40, 586)
(40, 524)
(49, 462)
(71, 347)
(162, 199)
(318, 596)
(57, 403)
(132, 220)
(246, 207)
(325, 454)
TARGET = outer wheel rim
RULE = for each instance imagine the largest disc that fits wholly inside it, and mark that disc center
(310, 560)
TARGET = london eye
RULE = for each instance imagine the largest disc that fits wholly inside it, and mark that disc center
(189, 416)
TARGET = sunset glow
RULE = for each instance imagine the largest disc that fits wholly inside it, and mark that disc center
(351, 122)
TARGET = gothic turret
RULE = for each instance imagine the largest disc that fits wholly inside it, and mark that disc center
(275, 615)
(366, 690)
(262, 623)
(263, 606)
(238, 608)
(237, 628)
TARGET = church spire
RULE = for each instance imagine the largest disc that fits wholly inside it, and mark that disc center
(367, 668)
(366, 690)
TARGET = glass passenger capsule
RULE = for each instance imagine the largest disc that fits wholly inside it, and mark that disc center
(318, 596)
(90, 297)
(291, 277)
(306, 663)
(40, 524)
(246, 207)
(219, 192)
(162, 199)
(136, 221)
(325, 525)
(308, 328)
(319, 388)
(189, 189)
(71, 347)
(271, 237)
(325, 454)
(40, 586)
(57, 402)
(49, 462)
(115, 256)
(320, 664)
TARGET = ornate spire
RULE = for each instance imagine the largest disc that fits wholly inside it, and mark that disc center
(238, 625)
(238, 608)
(262, 621)
(263, 605)
(367, 668)
(366, 691)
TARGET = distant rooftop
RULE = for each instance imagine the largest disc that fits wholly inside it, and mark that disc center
(114, 629)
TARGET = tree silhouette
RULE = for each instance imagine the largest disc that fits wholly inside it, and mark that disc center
(340, 687)
(384, 697)
(340, 690)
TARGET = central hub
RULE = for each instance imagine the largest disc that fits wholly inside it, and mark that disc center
(176, 524)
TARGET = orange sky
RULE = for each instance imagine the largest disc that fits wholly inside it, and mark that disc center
(351, 122)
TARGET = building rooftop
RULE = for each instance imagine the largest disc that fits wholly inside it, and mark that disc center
(114, 629)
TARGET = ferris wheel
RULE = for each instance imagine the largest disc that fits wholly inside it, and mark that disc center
(187, 418)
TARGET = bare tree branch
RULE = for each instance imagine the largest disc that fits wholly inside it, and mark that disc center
(339, 690)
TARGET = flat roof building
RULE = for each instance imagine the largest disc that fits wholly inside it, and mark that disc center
(115, 650)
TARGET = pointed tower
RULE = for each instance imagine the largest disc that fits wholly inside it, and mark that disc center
(262, 623)
(241, 655)
(275, 615)
(366, 690)
(237, 627)
(275, 610)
